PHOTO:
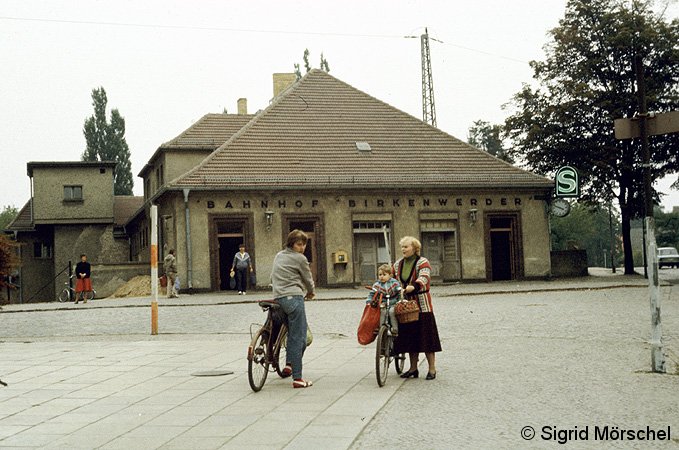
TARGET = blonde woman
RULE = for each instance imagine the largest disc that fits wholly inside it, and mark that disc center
(414, 273)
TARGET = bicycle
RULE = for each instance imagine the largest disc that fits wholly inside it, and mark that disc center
(384, 351)
(69, 294)
(268, 346)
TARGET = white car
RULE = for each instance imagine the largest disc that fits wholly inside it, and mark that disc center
(668, 256)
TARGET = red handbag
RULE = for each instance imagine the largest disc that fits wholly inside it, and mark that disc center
(369, 323)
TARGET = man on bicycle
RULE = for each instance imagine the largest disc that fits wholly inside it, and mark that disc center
(291, 279)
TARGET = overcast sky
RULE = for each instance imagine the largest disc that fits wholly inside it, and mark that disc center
(164, 64)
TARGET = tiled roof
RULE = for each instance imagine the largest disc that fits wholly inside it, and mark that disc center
(124, 207)
(211, 131)
(22, 222)
(308, 136)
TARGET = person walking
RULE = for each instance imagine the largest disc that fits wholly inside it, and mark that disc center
(414, 273)
(170, 268)
(83, 283)
(292, 284)
(242, 265)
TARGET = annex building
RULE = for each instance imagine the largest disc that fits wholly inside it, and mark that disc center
(353, 172)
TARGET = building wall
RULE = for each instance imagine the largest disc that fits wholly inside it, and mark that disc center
(96, 241)
(48, 192)
(337, 212)
(36, 274)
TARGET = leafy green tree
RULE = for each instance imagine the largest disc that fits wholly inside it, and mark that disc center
(106, 142)
(666, 228)
(307, 66)
(7, 215)
(487, 137)
(588, 228)
(587, 81)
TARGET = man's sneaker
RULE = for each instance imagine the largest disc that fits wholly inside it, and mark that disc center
(244, 292)
(300, 383)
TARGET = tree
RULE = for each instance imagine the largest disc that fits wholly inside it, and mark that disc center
(587, 81)
(307, 66)
(485, 136)
(106, 142)
(8, 258)
(666, 228)
(587, 228)
(7, 215)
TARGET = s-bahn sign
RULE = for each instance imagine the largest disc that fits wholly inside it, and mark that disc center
(567, 183)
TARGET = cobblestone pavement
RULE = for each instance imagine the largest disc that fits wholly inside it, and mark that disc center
(566, 354)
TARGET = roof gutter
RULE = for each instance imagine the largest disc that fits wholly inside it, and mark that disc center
(189, 258)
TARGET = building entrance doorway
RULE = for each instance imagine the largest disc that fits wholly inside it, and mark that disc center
(227, 236)
(504, 255)
(371, 242)
(310, 227)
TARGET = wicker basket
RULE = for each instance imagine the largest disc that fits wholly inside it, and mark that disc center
(407, 311)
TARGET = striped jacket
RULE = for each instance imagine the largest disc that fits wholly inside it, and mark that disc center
(420, 278)
(380, 290)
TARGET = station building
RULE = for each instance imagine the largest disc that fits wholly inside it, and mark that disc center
(353, 172)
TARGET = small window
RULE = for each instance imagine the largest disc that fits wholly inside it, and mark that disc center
(42, 250)
(73, 193)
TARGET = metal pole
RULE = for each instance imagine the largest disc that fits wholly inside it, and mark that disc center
(657, 357)
(610, 226)
(154, 269)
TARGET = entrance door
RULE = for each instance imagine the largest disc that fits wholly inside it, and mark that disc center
(311, 251)
(432, 249)
(500, 245)
(366, 250)
(230, 235)
(504, 257)
(228, 247)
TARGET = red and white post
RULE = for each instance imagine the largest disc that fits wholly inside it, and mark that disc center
(154, 269)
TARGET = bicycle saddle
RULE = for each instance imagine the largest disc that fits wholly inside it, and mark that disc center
(266, 304)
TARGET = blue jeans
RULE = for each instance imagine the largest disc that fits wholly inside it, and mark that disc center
(293, 307)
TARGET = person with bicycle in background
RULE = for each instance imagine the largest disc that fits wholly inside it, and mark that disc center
(83, 283)
(292, 284)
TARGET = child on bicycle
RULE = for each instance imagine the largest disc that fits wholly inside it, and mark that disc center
(386, 285)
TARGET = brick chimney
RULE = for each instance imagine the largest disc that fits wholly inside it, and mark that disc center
(282, 81)
(242, 106)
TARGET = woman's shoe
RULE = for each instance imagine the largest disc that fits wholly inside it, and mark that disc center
(431, 376)
(299, 383)
(410, 374)
(287, 371)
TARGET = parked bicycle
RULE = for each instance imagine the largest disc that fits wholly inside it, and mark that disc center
(68, 294)
(267, 350)
(384, 351)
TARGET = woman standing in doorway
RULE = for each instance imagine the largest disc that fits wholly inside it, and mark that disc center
(413, 271)
(241, 263)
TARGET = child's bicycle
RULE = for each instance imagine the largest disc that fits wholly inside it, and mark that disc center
(68, 294)
(384, 351)
(268, 346)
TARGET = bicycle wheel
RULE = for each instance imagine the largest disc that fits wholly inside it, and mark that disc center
(280, 353)
(382, 356)
(258, 360)
(89, 295)
(65, 295)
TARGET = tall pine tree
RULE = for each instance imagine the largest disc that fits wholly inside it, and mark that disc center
(106, 142)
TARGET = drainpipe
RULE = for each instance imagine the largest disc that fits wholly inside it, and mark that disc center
(189, 259)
